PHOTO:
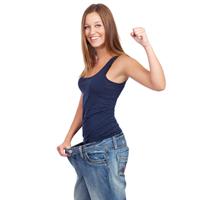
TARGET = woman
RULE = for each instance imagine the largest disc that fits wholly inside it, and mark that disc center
(101, 158)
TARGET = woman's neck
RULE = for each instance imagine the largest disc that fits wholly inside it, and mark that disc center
(102, 56)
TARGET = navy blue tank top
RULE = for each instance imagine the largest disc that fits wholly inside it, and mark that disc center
(99, 99)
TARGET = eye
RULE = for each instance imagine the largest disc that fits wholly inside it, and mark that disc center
(98, 25)
(86, 27)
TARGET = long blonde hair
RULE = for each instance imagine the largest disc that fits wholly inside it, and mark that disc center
(111, 36)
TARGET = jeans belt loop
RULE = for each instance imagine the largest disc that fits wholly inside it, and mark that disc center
(114, 142)
(81, 151)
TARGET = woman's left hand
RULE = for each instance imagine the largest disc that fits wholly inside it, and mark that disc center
(140, 36)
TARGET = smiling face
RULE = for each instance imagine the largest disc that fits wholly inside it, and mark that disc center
(94, 30)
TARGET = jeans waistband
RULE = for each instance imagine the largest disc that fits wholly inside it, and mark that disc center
(115, 142)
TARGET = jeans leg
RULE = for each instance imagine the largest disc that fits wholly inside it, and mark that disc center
(118, 161)
(104, 174)
(80, 190)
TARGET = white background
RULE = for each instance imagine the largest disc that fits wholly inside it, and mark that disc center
(40, 61)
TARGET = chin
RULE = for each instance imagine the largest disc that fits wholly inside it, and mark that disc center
(97, 45)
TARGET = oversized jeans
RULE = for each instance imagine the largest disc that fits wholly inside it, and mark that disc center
(100, 168)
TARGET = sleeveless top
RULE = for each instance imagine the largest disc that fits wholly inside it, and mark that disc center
(99, 99)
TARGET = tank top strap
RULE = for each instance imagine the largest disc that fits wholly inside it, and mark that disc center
(109, 64)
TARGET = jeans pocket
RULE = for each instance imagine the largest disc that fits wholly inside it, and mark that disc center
(122, 159)
(96, 157)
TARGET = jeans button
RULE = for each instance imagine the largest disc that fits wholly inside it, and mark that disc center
(68, 151)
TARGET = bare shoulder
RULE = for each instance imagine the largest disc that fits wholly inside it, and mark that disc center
(127, 64)
(125, 60)
(123, 68)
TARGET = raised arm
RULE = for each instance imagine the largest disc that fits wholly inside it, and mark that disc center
(153, 78)
(75, 126)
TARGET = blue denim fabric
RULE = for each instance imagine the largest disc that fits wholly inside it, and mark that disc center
(100, 168)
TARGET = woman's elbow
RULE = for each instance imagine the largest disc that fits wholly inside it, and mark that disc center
(159, 87)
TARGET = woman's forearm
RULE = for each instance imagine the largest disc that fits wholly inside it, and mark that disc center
(76, 123)
(156, 72)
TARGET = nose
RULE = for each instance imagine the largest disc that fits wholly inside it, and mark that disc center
(92, 30)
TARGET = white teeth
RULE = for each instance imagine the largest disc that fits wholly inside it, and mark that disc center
(94, 38)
